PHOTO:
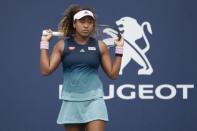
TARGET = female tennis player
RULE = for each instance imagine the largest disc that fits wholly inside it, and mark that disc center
(83, 107)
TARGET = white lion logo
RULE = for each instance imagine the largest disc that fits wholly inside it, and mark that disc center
(132, 31)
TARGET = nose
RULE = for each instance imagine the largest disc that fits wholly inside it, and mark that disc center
(86, 24)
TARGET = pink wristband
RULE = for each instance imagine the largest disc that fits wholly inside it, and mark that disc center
(44, 45)
(119, 50)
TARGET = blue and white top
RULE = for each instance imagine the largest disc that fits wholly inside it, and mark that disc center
(80, 66)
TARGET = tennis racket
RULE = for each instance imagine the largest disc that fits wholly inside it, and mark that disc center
(54, 33)
(104, 31)
(107, 34)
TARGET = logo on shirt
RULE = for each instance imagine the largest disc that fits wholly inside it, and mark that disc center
(82, 50)
(71, 48)
(91, 48)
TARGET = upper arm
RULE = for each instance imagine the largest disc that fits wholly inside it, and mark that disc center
(55, 58)
(106, 61)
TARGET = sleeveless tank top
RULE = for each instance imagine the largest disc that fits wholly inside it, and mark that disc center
(80, 68)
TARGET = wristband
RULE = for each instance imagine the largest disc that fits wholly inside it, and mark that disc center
(119, 50)
(119, 55)
(44, 45)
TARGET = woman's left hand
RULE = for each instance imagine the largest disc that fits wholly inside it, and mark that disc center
(120, 42)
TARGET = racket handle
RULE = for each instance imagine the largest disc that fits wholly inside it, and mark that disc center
(119, 36)
(54, 33)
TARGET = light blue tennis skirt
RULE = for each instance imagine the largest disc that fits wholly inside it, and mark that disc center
(82, 111)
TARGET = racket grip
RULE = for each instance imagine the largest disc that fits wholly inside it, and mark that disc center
(54, 33)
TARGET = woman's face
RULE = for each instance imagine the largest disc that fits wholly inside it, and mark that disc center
(84, 26)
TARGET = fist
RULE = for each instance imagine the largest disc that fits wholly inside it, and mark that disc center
(120, 42)
(48, 36)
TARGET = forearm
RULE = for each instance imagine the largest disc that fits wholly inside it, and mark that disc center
(110, 67)
(49, 63)
(115, 67)
(44, 62)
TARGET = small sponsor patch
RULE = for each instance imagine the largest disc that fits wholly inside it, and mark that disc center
(71, 48)
(82, 50)
(91, 48)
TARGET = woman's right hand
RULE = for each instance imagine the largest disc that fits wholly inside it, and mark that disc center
(47, 37)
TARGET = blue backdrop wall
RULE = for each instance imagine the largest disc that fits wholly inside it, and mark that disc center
(29, 101)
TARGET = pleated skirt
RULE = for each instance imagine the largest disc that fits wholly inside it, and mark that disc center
(82, 111)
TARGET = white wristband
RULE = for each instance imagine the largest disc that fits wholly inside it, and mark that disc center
(119, 50)
(44, 45)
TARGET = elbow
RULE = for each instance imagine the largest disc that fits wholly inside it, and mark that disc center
(113, 77)
(45, 73)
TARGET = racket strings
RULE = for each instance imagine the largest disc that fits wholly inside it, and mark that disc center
(107, 34)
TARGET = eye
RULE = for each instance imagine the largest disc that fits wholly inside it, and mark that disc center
(82, 21)
(90, 21)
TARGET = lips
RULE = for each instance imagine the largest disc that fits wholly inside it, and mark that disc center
(85, 31)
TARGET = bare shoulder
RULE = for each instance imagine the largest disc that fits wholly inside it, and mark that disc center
(102, 46)
(59, 46)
